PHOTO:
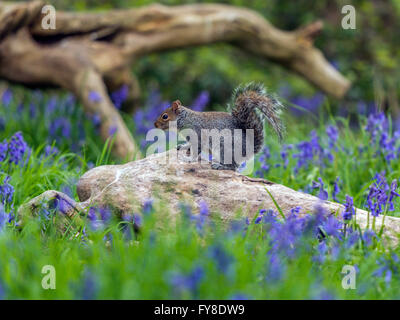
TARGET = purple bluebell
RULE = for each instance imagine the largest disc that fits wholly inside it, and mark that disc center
(137, 220)
(295, 211)
(332, 227)
(349, 210)
(323, 194)
(105, 214)
(368, 236)
(393, 194)
(276, 268)
(61, 126)
(181, 282)
(336, 190)
(322, 250)
(260, 216)
(94, 96)
(147, 206)
(285, 154)
(51, 105)
(333, 135)
(112, 130)
(379, 195)
(50, 151)
(17, 148)
(89, 286)
(6, 191)
(221, 257)
(32, 111)
(240, 296)
(386, 269)
(3, 217)
(119, 96)
(3, 150)
(201, 101)
(263, 159)
(96, 120)
(7, 97)
(311, 104)
(202, 218)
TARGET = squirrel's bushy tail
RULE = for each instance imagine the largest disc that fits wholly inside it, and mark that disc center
(251, 104)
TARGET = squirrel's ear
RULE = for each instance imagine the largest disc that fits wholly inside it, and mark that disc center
(175, 105)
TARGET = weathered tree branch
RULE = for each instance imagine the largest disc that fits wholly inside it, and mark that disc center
(103, 45)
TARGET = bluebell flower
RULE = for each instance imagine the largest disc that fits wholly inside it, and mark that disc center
(94, 96)
(352, 239)
(60, 125)
(186, 282)
(89, 286)
(311, 104)
(221, 257)
(105, 214)
(386, 269)
(393, 194)
(368, 236)
(295, 211)
(147, 206)
(51, 105)
(285, 154)
(322, 250)
(7, 97)
(3, 217)
(95, 222)
(201, 218)
(332, 226)
(17, 148)
(201, 101)
(336, 190)
(240, 296)
(50, 151)
(376, 124)
(379, 195)
(112, 130)
(260, 216)
(349, 210)
(333, 135)
(276, 268)
(3, 150)
(323, 194)
(96, 120)
(137, 220)
(6, 191)
(119, 96)
(32, 110)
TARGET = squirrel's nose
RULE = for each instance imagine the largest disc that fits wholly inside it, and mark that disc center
(155, 124)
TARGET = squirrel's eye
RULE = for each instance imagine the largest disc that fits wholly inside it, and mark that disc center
(165, 116)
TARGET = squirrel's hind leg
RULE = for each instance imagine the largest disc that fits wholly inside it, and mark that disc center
(221, 166)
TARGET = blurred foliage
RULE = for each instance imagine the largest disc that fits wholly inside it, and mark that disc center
(367, 55)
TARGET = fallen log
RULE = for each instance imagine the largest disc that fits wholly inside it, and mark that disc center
(92, 52)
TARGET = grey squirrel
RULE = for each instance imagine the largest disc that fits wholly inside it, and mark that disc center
(249, 107)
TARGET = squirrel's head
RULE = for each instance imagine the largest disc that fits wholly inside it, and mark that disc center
(169, 114)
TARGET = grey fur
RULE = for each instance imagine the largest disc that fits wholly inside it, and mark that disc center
(250, 106)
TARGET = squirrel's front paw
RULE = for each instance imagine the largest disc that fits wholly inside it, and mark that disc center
(183, 146)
